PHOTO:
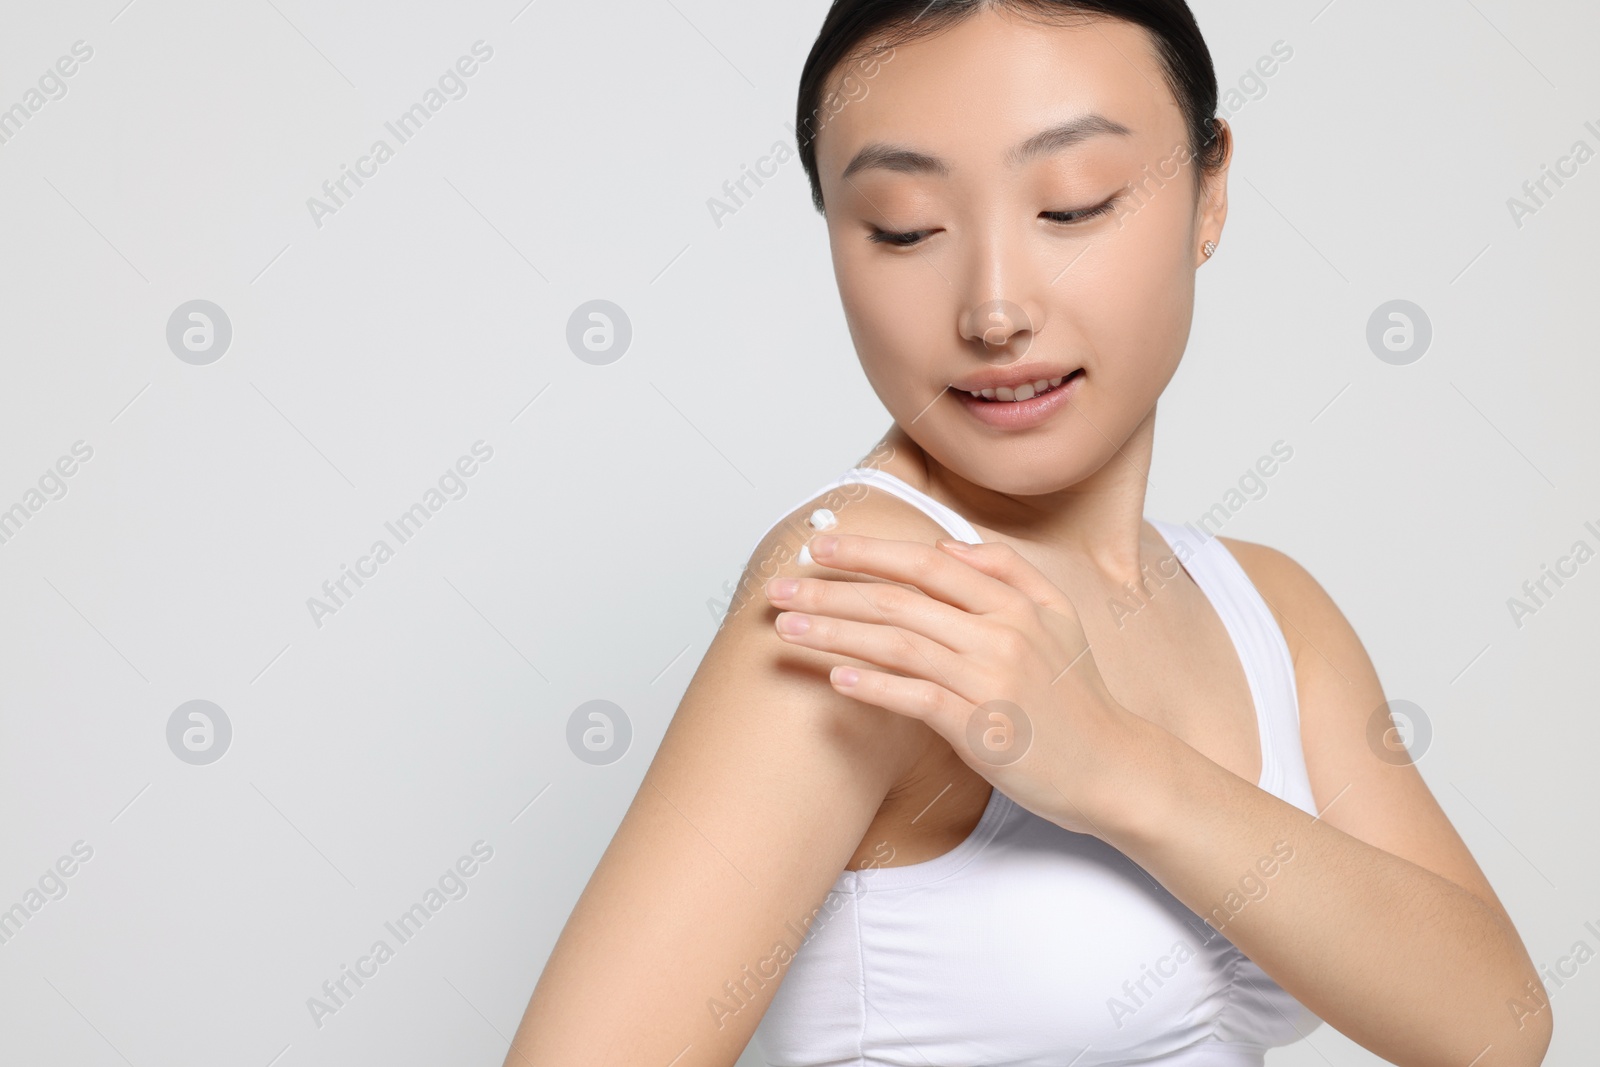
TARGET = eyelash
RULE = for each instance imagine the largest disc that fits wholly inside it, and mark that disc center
(898, 240)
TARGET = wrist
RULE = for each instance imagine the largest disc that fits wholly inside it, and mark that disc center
(1138, 783)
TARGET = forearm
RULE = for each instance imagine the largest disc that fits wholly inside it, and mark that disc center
(1408, 964)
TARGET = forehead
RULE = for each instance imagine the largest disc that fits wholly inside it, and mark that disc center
(971, 92)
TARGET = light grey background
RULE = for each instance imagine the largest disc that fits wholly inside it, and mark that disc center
(431, 311)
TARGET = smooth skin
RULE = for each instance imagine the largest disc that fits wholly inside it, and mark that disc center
(771, 779)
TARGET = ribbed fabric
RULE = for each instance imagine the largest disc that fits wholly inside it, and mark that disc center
(1029, 945)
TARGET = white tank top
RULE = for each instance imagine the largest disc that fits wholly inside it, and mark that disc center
(1029, 945)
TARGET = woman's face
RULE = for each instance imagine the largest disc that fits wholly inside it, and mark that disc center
(1000, 268)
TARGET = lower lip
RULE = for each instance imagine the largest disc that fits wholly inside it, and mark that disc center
(1021, 414)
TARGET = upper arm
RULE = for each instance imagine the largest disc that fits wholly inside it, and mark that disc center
(1363, 781)
(763, 786)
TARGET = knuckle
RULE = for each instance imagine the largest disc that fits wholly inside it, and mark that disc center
(812, 594)
(926, 699)
(1020, 601)
(1010, 643)
(894, 600)
(900, 649)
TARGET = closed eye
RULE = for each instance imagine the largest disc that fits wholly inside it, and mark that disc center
(911, 238)
(897, 240)
(1069, 217)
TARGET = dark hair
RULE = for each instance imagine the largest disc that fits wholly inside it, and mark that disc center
(849, 24)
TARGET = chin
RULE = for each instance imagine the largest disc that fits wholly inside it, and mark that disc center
(1031, 467)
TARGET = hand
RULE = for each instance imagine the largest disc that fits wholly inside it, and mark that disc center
(989, 653)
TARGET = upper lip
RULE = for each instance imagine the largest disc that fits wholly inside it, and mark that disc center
(1012, 377)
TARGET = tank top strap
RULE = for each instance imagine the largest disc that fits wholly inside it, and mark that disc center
(1262, 649)
(946, 517)
(952, 521)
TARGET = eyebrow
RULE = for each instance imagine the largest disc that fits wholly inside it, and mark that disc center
(883, 156)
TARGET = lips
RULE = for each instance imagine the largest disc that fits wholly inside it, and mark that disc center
(1016, 415)
(1019, 390)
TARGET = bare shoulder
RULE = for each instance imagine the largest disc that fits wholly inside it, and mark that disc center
(1322, 641)
(1290, 591)
(763, 659)
(1335, 678)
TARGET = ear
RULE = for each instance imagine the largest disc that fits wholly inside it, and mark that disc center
(1212, 210)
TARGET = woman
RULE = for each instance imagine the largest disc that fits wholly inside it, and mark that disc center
(1092, 789)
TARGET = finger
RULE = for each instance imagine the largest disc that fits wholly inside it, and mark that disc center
(880, 602)
(885, 646)
(915, 698)
(917, 563)
(1005, 564)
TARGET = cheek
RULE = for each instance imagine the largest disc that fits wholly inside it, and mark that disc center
(1137, 304)
(891, 311)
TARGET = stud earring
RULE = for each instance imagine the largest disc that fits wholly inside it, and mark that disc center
(1210, 249)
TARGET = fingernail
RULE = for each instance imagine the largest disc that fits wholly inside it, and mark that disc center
(791, 623)
(959, 546)
(823, 546)
(782, 588)
(843, 677)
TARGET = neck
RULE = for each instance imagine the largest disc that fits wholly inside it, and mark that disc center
(1099, 519)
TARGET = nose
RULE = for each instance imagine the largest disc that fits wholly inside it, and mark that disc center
(1002, 310)
(1001, 330)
